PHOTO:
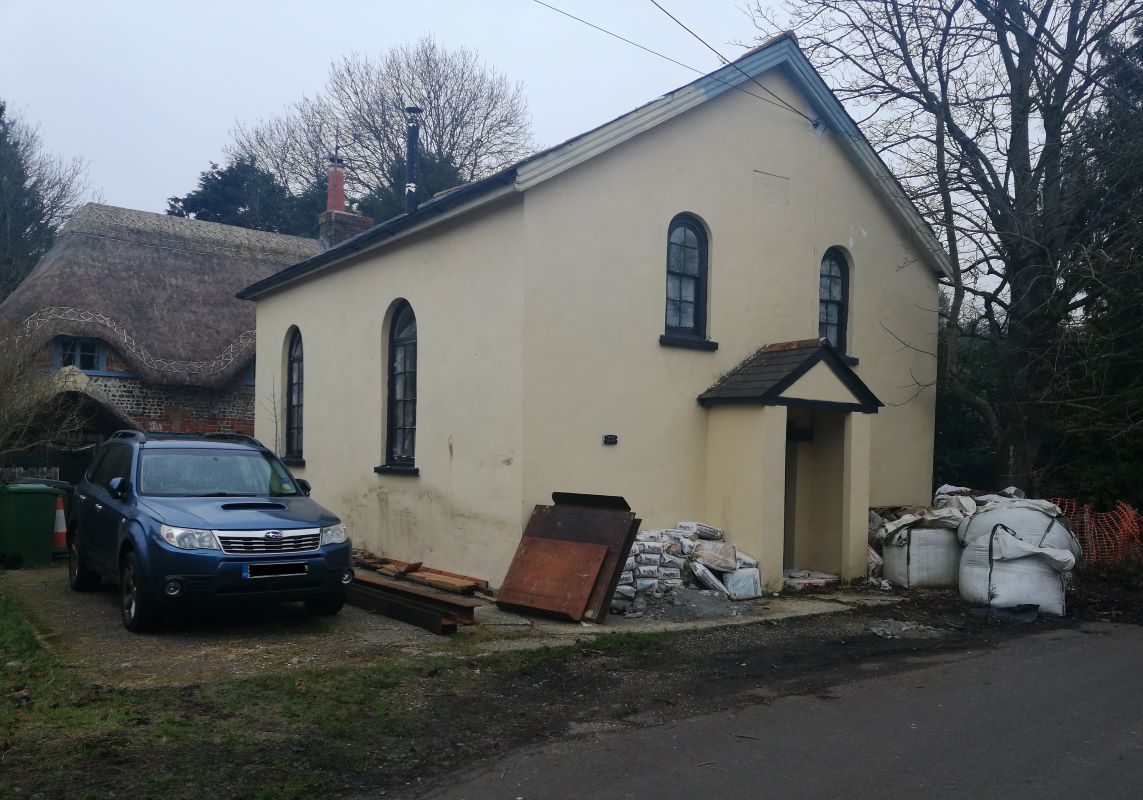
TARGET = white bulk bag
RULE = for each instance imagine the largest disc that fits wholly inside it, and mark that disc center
(920, 557)
(961, 502)
(1037, 522)
(1002, 571)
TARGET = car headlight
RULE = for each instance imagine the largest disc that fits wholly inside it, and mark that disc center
(188, 538)
(334, 534)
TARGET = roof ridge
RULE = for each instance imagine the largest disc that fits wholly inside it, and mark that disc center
(780, 51)
(149, 227)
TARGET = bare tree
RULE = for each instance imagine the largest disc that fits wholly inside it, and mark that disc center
(38, 192)
(37, 407)
(473, 116)
(973, 104)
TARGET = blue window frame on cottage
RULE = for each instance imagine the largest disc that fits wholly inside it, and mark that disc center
(833, 299)
(85, 354)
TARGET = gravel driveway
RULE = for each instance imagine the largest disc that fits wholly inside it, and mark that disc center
(84, 631)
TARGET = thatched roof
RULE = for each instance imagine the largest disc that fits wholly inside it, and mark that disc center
(159, 289)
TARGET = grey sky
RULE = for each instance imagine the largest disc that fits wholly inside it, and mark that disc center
(149, 91)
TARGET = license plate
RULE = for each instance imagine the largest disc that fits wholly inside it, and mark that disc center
(275, 569)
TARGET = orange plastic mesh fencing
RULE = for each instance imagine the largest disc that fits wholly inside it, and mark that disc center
(1108, 537)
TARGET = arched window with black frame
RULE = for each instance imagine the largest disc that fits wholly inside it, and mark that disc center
(686, 278)
(833, 299)
(402, 428)
(294, 395)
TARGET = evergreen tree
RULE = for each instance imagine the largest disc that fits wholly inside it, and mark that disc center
(1098, 439)
(434, 174)
(26, 229)
(244, 195)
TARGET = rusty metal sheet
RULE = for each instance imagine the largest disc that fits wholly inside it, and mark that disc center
(552, 575)
(594, 519)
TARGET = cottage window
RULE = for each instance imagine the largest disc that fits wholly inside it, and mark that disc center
(402, 432)
(294, 395)
(85, 354)
(686, 279)
(833, 299)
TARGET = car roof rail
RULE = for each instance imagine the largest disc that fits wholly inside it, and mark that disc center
(129, 434)
(220, 436)
(243, 438)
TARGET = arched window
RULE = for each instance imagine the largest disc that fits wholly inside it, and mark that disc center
(833, 298)
(294, 386)
(686, 278)
(402, 387)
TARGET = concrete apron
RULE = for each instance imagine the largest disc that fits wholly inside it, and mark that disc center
(544, 632)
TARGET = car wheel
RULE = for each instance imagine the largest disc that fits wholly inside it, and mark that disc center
(326, 606)
(80, 577)
(138, 610)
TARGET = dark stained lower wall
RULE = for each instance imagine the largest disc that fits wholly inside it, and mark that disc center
(181, 408)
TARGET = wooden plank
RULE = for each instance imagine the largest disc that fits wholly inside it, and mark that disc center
(417, 590)
(443, 582)
(552, 575)
(480, 582)
(462, 608)
(418, 572)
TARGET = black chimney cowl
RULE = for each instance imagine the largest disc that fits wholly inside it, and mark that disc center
(412, 137)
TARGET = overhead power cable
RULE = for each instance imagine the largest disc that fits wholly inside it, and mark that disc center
(780, 104)
(730, 63)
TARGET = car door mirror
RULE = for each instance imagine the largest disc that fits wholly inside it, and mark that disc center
(117, 487)
(304, 485)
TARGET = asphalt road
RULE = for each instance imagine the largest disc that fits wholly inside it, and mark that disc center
(1052, 715)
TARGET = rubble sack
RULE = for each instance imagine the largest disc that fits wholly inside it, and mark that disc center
(922, 557)
(1001, 571)
(1037, 522)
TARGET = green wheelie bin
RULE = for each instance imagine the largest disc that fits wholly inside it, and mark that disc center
(27, 522)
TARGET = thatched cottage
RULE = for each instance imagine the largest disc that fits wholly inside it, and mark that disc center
(143, 306)
(720, 306)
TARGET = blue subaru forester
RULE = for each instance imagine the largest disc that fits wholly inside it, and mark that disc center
(185, 519)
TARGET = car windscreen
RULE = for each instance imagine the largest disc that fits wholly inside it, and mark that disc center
(212, 472)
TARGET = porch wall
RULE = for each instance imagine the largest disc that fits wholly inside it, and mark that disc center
(818, 520)
(746, 478)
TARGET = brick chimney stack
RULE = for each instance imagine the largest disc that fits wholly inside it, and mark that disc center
(335, 225)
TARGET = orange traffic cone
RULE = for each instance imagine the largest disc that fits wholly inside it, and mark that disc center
(59, 538)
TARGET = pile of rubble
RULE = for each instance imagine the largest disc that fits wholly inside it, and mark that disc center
(692, 555)
(1001, 550)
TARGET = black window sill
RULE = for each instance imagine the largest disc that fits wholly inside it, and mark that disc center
(294, 461)
(689, 342)
(397, 469)
(852, 361)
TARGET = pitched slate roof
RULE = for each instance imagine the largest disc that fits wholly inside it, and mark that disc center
(780, 53)
(157, 288)
(763, 377)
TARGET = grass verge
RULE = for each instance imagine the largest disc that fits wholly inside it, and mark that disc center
(276, 736)
(306, 733)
